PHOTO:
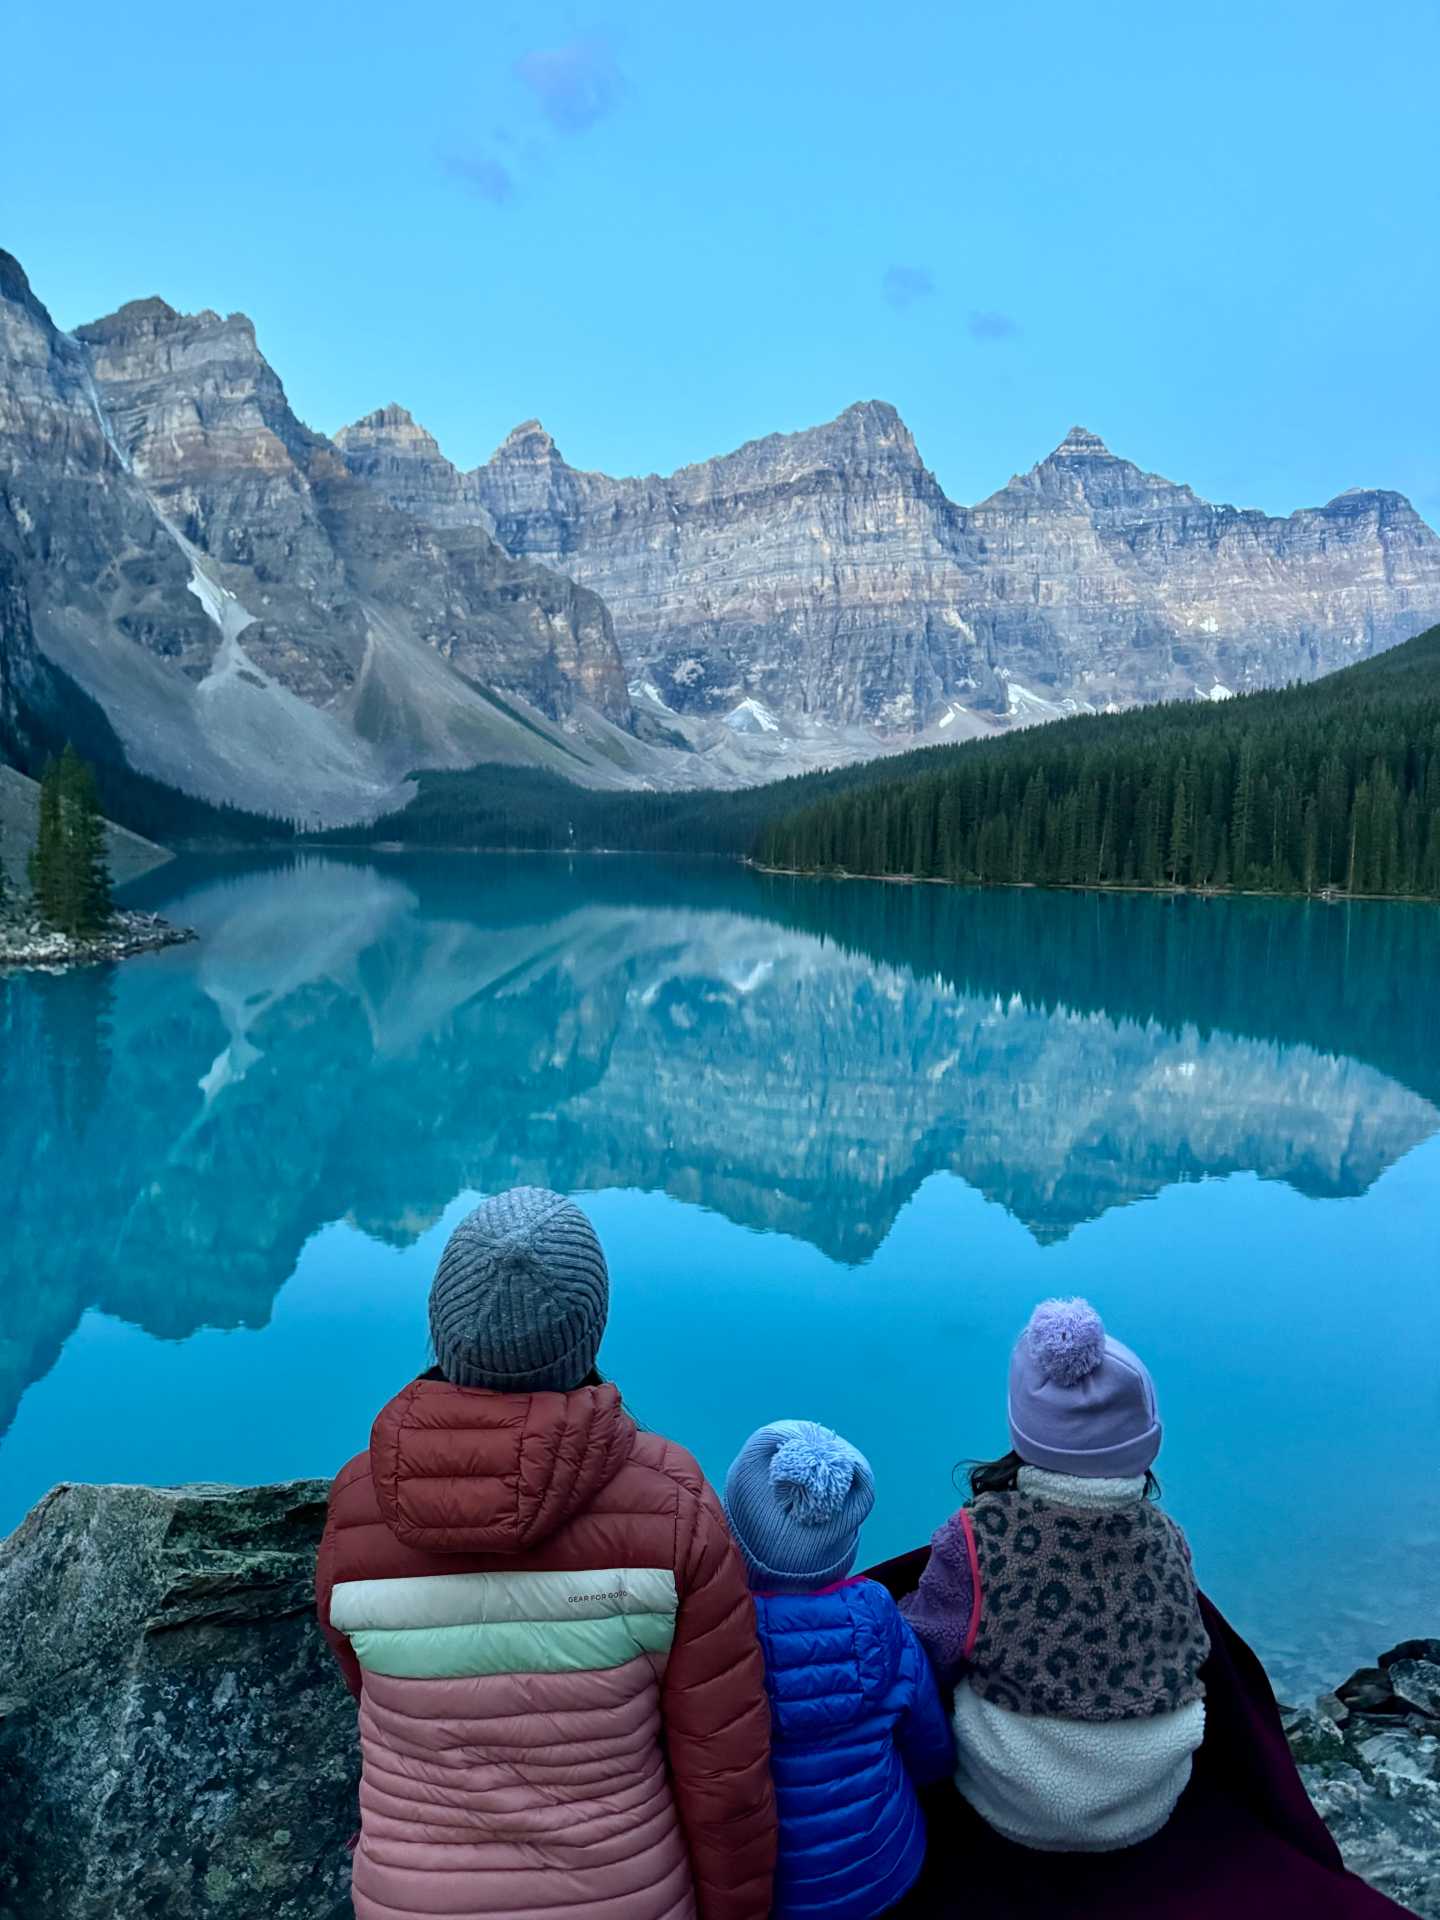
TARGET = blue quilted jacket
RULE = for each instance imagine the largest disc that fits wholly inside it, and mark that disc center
(856, 1726)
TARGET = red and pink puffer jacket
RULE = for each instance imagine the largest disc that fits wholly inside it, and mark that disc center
(562, 1700)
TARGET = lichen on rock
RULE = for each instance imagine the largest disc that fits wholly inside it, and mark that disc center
(174, 1738)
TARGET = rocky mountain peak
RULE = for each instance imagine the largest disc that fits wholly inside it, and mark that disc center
(1082, 474)
(141, 321)
(15, 287)
(528, 441)
(868, 441)
(869, 429)
(1080, 441)
(393, 427)
(392, 416)
(136, 317)
(392, 452)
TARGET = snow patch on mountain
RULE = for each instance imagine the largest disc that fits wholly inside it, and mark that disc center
(752, 716)
(647, 690)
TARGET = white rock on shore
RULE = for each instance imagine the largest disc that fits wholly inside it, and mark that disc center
(26, 942)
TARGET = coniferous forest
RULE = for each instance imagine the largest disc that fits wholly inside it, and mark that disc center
(1330, 785)
(1333, 785)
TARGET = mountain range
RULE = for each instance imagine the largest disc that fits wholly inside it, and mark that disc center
(256, 614)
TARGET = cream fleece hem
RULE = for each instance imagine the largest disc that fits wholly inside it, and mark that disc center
(1073, 1786)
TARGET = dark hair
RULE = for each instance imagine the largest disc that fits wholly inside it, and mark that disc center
(1001, 1476)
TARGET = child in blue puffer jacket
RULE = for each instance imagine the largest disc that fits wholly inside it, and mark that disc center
(856, 1719)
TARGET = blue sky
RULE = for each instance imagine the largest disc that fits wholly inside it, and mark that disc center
(1210, 234)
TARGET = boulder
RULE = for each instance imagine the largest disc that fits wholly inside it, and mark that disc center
(174, 1738)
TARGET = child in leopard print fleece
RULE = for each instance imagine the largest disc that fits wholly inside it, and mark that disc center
(1060, 1604)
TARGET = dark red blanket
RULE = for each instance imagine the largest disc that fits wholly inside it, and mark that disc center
(1243, 1844)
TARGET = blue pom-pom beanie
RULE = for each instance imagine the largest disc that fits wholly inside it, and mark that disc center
(796, 1497)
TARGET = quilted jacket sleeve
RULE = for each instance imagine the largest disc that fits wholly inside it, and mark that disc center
(717, 1725)
(324, 1583)
(923, 1732)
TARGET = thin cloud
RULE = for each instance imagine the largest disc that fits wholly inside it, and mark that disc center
(575, 85)
(993, 326)
(903, 286)
(483, 175)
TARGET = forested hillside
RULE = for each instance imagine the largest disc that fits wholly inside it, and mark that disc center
(1331, 785)
(529, 808)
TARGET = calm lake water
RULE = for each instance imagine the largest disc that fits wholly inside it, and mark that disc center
(837, 1140)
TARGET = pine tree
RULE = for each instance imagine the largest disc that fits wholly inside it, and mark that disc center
(1242, 813)
(88, 888)
(47, 856)
(69, 868)
(1180, 835)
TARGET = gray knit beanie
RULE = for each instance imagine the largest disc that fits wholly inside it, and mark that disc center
(796, 1497)
(520, 1296)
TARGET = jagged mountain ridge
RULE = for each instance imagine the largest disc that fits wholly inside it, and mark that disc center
(248, 611)
(258, 625)
(826, 574)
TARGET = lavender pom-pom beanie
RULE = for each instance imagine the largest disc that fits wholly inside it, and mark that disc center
(1080, 1402)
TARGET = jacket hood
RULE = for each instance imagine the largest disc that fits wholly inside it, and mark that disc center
(825, 1659)
(465, 1470)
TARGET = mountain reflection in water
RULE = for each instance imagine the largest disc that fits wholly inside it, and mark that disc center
(363, 1040)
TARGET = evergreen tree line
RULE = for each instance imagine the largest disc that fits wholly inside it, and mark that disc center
(532, 809)
(69, 865)
(1335, 785)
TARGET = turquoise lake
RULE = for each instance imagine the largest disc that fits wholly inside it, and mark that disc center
(837, 1140)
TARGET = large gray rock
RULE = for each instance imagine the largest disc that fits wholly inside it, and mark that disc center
(174, 1738)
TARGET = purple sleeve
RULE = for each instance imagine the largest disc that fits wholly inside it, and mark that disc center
(941, 1607)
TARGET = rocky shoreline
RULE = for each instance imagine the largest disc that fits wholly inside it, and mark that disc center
(1369, 1755)
(175, 1738)
(28, 943)
(1327, 896)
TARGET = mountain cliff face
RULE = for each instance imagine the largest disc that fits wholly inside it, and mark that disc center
(18, 664)
(811, 571)
(826, 572)
(257, 614)
(1118, 586)
(202, 420)
(258, 625)
(390, 450)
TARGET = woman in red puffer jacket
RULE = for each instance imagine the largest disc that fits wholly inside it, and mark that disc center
(542, 1616)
